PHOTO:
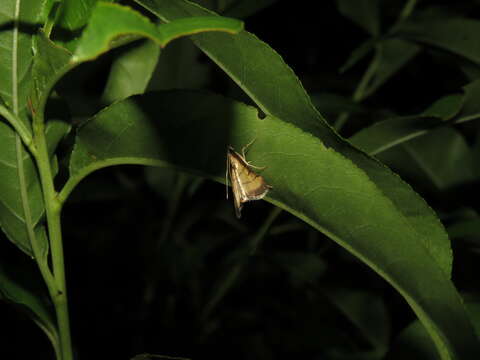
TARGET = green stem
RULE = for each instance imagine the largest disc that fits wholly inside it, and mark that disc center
(40, 257)
(53, 209)
(361, 92)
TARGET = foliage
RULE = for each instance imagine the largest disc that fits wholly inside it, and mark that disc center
(90, 85)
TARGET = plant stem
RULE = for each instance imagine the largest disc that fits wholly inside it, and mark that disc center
(249, 249)
(53, 209)
(361, 91)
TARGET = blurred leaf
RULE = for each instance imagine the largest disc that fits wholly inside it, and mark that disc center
(131, 71)
(321, 187)
(358, 54)
(244, 8)
(446, 108)
(109, 21)
(162, 180)
(441, 159)
(369, 315)
(179, 67)
(301, 267)
(471, 106)
(444, 157)
(469, 228)
(364, 13)
(334, 104)
(385, 134)
(413, 343)
(454, 34)
(392, 55)
(473, 308)
(30, 301)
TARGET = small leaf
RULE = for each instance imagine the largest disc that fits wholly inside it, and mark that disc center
(386, 134)
(109, 21)
(364, 13)
(301, 268)
(50, 63)
(369, 315)
(444, 156)
(471, 107)
(392, 55)
(73, 16)
(454, 34)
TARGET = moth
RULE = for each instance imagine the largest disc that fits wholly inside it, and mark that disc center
(247, 185)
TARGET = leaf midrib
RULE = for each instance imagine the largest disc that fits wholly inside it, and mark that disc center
(22, 180)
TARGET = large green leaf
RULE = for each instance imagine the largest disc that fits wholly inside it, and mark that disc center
(110, 21)
(190, 131)
(18, 21)
(20, 196)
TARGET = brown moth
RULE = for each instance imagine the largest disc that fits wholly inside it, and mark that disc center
(246, 184)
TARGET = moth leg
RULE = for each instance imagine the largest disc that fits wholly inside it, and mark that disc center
(244, 149)
(256, 167)
(247, 146)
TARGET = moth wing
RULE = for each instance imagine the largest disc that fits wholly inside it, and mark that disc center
(238, 196)
(254, 185)
(246, 184)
